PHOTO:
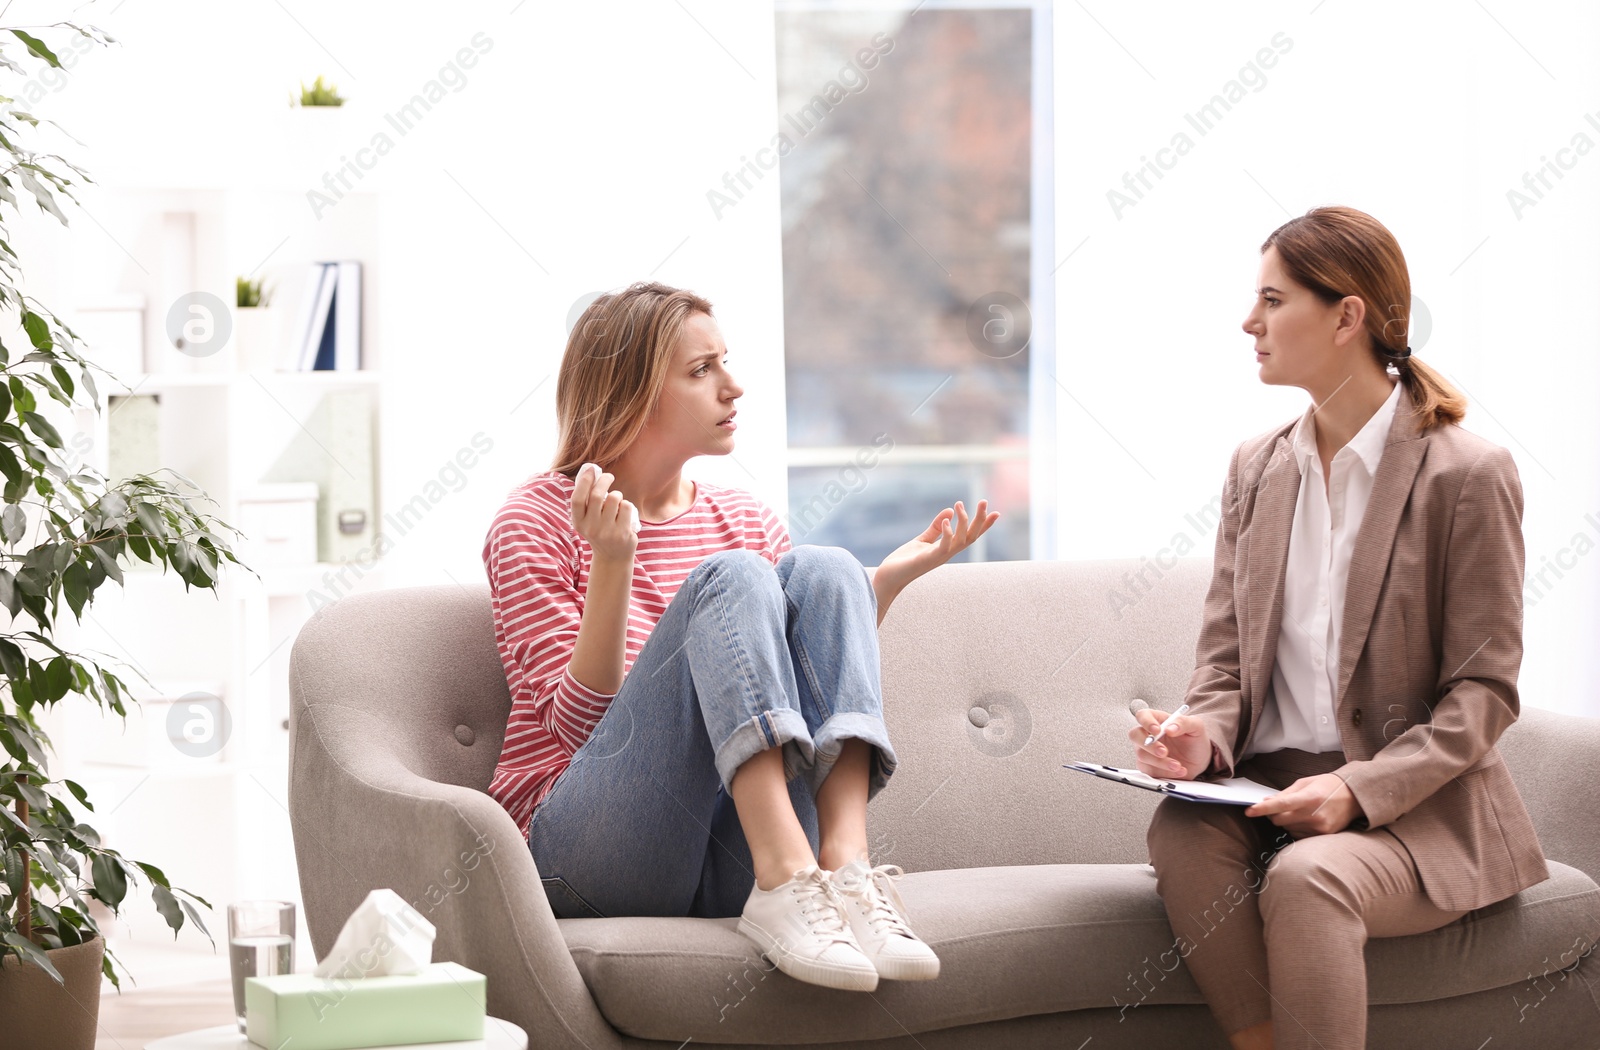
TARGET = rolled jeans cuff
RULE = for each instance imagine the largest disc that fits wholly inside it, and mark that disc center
(771, 728)
(829, 741)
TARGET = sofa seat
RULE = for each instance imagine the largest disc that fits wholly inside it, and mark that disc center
(1024, 940)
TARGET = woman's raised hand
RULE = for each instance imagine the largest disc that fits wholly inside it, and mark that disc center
(1181, 753)
(601, 516)
(951, 533)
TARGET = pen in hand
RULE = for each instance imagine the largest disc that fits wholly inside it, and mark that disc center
(1183, 709)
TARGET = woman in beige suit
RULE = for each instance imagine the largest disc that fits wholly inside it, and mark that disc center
(1359, 652)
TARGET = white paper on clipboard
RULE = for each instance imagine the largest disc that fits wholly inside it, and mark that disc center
(1235, 791)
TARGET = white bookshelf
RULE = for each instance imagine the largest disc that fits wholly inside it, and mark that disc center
(216, 824)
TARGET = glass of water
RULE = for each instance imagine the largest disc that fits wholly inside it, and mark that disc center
(260, 944)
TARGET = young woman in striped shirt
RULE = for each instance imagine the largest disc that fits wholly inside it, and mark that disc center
(696, 722)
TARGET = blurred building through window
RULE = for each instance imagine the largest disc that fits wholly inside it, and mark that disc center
(906, 149)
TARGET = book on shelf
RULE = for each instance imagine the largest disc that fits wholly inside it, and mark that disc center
(347, 318)
(327, 334)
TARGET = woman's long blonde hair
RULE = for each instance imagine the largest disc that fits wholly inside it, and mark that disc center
(1337, 251)
(614, 368)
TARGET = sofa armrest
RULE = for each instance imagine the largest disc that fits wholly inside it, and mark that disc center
(1552, 759)
(362, 821)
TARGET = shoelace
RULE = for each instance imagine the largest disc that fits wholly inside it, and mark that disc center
(821, 905)
(878, 890)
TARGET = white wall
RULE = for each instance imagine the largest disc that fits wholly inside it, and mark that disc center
(576, 157)
(589, 134)
(1423, 115)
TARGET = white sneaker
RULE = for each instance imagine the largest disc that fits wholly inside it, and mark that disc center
(800, 926)
(877, 916)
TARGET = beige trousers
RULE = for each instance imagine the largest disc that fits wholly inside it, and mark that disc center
(1273, 927)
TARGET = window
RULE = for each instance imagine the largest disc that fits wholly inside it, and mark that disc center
(913, 232)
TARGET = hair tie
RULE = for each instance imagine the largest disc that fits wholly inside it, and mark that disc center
(1397, 355)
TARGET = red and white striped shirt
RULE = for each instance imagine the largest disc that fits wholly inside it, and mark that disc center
(538, 570)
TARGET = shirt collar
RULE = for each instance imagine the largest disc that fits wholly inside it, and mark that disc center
(1367, 444)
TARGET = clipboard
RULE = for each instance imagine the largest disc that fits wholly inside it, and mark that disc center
(1235, 791)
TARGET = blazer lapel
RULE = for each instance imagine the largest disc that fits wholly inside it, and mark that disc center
(1369, 561)
(1268, 554)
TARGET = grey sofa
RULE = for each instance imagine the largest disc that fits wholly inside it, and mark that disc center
(1029, 880)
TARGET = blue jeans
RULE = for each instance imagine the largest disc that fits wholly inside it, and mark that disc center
(744, 659)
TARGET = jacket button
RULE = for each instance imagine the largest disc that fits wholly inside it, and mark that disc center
(1356, 716)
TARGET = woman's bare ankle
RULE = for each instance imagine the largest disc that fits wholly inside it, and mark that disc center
(774, 873)
(833, 857)
(1256, 1037)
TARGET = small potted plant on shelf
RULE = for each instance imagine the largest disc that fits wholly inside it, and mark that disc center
(255, 331)
(324, 133)
(64, 532)
(319, 94)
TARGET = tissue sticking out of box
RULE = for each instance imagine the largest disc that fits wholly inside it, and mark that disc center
(383, 937)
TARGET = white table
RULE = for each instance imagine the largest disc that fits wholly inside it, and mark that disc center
(497, 1035)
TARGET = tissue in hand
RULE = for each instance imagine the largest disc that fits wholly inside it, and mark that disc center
(382, 937)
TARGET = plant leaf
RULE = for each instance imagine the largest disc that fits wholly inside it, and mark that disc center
(58, 674)
(78, 793)
(41, 426)
(31, 794)
(37, 47)
(38, 330)
(107, 562)
(194, 916)
(110, 883)
(12, 661)
(75, 583)
(167, 905)
(13, 524)
(150, 518)
(18, 730)
(5, 811)
(26, 948)
(65, 379)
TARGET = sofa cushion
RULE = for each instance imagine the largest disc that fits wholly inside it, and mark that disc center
(1017, 941)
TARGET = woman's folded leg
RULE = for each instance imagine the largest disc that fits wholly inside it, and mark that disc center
(629, 826)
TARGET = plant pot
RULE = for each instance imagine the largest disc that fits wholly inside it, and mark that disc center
(43, 1015)
(255, 337)
(320, 138)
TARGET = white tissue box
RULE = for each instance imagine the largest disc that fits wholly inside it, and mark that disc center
(446, 1002)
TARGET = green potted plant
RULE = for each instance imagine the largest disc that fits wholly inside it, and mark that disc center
(64, 532)
(255, 328)
(250, 295)
(320, 94)
(320, 127)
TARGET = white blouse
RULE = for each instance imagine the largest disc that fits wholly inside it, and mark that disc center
(1327, 516)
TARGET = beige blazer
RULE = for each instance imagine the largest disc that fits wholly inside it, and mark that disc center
(1428, 657)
